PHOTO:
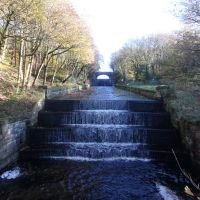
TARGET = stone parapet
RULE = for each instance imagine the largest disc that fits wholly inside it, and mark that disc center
(13, 133)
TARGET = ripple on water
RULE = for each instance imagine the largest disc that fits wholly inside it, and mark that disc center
(114, 180)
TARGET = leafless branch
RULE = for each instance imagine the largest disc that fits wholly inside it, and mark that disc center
(195, 185)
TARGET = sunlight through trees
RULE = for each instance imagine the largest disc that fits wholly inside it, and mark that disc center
(168, 57)
(46, 41)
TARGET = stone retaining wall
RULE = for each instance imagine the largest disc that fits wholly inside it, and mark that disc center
(12, 138)
(189, 130)
(58, 91)
(13, 133)
(146, 93)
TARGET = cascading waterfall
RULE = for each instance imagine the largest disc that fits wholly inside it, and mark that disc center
(98, 146)
(102, 129)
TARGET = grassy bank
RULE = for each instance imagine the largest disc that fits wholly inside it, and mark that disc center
(183, 105)
(185, 102)
(149, 91)
(17, 105)
(149, 87)
(14, 105)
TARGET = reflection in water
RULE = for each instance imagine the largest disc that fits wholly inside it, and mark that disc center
(166, 193)
(81, 180)
(98, 161)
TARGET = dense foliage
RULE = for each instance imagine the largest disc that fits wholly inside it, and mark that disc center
(46, 41)
(164, 57)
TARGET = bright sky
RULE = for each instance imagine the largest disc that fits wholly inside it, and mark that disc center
(114, 22)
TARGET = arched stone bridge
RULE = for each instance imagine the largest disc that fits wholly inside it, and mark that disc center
(102, 82)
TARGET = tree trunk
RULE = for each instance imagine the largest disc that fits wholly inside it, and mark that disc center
(21, 63)
(38, 73)
(3, 37)
(15, 52)
(45, 75)
(54, 75)
(80, 71)
(38, 61)
(24, 67)
(43, 63)
(3, 52)
(29, 71)
(57, 69)
(46, 69)
(67, 78)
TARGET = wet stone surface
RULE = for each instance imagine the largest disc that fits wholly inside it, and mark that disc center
(105, 93)
(106, 180)
(80, 176)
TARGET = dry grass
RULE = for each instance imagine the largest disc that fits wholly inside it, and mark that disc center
(19, 106)
(13, 105)
(184, 96)
(187, 97)
(8, 81)
(187, 105)
(144, 87)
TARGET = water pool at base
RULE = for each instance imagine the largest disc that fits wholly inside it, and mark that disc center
(89, 180)
(98, 146)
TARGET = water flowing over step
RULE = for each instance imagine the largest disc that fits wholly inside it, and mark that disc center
(136, 105)
(103, 133)
(102, 130)
(147, 119)
(100, 151)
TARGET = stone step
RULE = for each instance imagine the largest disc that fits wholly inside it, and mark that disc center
(137, 106)
(103, 133)
(97, 151)
(147, 119)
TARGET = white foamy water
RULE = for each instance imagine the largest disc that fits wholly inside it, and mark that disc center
(78, 158)
(102, 144)
(166, 193)
(11, 174)
(104, 126)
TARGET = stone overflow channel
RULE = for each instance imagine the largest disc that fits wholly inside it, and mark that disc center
(107, 145)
